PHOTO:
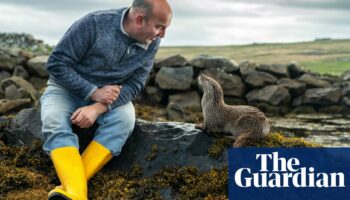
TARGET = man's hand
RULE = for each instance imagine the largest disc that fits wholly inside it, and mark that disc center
(86, 116)
(107, 94)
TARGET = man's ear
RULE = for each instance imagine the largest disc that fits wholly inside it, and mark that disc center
(139, 20)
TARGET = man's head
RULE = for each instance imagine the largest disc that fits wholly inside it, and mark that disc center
(148, 19)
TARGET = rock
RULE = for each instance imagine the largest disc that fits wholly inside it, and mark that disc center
(7, 106)
(172, 61)
(346, 101)
(21, 72)
(37, 66)
(22, 85)
(175, 78)
(344, 86)
(187, 100)
(12, 92)
(154, 94)
(245, 67)
(230, 83)
(38, 83)
(175, 111)
(295, 70)
(322, 96)
(9, 58)
(277, 70)
(270, 109)
(234, 100)
(259, 79)
(331, 109)
(346, 75)
(273, 94)
(4, 75)
(206, 62)
(296, 88)
(313, 81)
(152, 145)
(25, 128)
(304, 110)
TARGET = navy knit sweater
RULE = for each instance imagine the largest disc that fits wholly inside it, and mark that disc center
(95, 51)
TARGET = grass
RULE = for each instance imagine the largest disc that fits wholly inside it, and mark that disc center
(329, 56)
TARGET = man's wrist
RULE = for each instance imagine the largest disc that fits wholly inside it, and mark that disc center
(101, 108)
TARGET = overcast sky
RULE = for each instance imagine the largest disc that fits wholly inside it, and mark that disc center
(195, 22)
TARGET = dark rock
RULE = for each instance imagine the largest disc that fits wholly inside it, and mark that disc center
(313, 81)
(230, 83)
(176, 144)
(304, 110)
(21, 84)
(9, 58)
(187, 100)
(260, 79)
(234, 101)
(205, 62)
(277, 70)
(4, 75)
(295, 71)
(346, 75)
(331, 109)
(296, 88)
(322, 96)
(154, 94)
(273, 94)
(12, 92)
(7, 106)
(21, 72)
(270, 109)
(175, 111)
(175, 78)
(172, 61)
(38, 83)
(37, 66)
(245, 67)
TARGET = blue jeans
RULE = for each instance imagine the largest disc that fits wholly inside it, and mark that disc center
(58, 105)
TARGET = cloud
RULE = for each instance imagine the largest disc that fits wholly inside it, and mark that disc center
(195, 22)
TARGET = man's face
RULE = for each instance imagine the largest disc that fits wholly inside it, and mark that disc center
(153, 27)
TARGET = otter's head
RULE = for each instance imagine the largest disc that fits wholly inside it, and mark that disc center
(210, 86)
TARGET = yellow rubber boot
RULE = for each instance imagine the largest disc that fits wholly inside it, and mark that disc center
(70, 170)
(94, 158)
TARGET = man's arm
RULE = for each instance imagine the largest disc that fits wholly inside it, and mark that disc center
(133, 86)
(68, 53)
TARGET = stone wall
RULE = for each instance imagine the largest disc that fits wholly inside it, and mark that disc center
(275, 89)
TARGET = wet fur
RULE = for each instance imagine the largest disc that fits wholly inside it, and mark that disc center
(245, 123)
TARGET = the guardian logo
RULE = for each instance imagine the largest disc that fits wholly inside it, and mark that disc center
(276, 171)
(289, 173)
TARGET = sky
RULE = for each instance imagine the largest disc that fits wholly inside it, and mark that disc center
(195, 22)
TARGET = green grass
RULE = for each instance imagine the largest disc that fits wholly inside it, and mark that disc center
(328, 67)
(330, 56)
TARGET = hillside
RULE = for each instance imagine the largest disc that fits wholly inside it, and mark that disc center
(325, 56)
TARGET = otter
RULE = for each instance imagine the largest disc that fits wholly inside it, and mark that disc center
(244, 123)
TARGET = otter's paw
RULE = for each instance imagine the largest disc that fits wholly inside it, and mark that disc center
(200, 127)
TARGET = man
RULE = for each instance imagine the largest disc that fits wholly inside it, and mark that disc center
(99, 66)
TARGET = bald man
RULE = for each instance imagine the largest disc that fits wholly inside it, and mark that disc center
(96, 70)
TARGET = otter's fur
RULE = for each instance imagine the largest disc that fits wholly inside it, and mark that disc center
(245, 123)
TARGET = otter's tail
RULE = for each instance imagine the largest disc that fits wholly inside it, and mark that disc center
(243, 140)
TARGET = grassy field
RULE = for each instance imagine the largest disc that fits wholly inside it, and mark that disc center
(328, 56)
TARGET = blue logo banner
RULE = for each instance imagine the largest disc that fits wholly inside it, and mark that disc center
(289, 173)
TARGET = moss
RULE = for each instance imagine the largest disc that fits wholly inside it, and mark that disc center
(150, 113)
(218, 147)
(153, 154)
(278, 140)
(19, 179)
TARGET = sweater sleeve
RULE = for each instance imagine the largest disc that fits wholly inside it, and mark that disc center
(71, 49)
(135, 83)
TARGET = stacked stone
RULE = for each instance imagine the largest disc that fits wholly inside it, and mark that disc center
(274, 88)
